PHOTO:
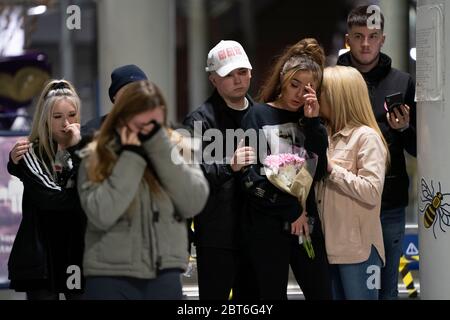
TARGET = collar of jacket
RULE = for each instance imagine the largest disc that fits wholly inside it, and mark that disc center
(379, 72)
(44, 157)
(347, 131)
(217, 100)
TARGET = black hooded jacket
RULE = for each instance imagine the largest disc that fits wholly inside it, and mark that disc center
(381, 81)
(217, 225)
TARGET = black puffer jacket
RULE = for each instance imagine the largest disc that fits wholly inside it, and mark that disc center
(381, 81)
(216, 225)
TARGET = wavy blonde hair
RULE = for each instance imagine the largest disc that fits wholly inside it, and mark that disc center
(345, 91)
(41, 128)
(138, 97)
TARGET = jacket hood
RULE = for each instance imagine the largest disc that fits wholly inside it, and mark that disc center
(377, 73)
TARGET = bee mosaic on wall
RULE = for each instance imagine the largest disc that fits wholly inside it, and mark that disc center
(434, 209)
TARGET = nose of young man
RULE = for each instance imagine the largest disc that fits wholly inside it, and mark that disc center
(237, 79)
(365, 42)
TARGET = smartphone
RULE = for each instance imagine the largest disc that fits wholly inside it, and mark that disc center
(394, 101)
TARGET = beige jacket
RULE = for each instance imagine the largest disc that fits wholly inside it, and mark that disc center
(349, 199)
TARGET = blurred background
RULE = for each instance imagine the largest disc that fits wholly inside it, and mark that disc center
(84, 40)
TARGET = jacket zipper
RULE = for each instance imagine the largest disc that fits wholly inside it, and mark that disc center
(155, 220)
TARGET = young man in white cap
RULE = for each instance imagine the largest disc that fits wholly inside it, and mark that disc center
(216, 227)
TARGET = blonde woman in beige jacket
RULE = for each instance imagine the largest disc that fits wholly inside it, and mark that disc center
(349, 198)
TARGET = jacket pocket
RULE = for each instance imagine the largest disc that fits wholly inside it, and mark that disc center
(116, 244)
(344, 158)
(354, 232)
(343, 163)
(172, 246)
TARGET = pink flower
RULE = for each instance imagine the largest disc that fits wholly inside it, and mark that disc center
(283, 159)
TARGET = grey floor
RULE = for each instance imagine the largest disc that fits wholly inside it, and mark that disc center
(190, 289)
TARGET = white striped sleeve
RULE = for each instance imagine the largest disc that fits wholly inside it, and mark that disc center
(32, 164)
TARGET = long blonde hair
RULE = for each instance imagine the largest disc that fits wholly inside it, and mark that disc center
(345, 91)
(138, 97)
(41, 128)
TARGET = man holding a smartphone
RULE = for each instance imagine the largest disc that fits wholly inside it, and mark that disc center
(397, 121)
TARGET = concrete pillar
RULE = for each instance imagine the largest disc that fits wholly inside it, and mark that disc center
(66, 44)
(433, 111)
(396, 28)
(248, 27)
(140, 32)
(197, 53)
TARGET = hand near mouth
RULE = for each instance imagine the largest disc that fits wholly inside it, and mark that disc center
(72, 131)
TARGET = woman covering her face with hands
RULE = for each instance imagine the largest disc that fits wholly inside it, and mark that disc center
(137, 193)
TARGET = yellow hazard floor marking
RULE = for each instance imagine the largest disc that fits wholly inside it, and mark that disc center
(407, 276)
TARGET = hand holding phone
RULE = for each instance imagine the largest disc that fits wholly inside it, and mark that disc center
(397, 112)
(394, 101)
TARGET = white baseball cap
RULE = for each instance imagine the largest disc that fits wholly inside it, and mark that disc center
(226, 56)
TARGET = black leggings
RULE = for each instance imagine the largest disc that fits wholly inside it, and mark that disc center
(216, 269)
(312, 275)
(264, 263)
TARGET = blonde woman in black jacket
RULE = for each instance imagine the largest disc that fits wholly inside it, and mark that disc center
(46, 255)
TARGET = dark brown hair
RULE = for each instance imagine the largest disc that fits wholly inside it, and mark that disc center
(359, 17)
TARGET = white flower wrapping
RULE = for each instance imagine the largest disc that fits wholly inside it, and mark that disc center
(292, 173)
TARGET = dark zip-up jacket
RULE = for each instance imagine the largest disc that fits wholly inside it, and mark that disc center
(50, 236)
(381, 81)
(216, 225)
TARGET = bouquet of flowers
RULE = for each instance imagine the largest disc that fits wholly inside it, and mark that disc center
(293, 173)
